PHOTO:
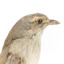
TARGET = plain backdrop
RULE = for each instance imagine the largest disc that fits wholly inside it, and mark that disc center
(52, 42)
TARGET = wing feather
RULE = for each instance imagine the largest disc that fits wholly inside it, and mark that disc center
(14, 59)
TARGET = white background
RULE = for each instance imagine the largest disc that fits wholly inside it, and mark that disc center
(52, 48)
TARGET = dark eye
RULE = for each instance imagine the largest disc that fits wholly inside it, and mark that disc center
(40, 21)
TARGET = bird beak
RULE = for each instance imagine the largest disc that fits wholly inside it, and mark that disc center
(53, 22)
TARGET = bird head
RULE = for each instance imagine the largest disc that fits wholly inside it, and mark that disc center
(37, 22)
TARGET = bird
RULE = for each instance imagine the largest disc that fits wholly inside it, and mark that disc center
(23, 43)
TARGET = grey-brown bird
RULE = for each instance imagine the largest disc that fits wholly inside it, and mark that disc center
(22, 45)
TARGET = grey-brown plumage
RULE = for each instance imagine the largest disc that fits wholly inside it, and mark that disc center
(22, 45)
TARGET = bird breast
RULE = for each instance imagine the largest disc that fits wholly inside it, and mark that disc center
(28, 48)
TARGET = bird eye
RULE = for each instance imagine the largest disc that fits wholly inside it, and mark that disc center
(40, 21)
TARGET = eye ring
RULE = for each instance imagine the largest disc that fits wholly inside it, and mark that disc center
(40, 21)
